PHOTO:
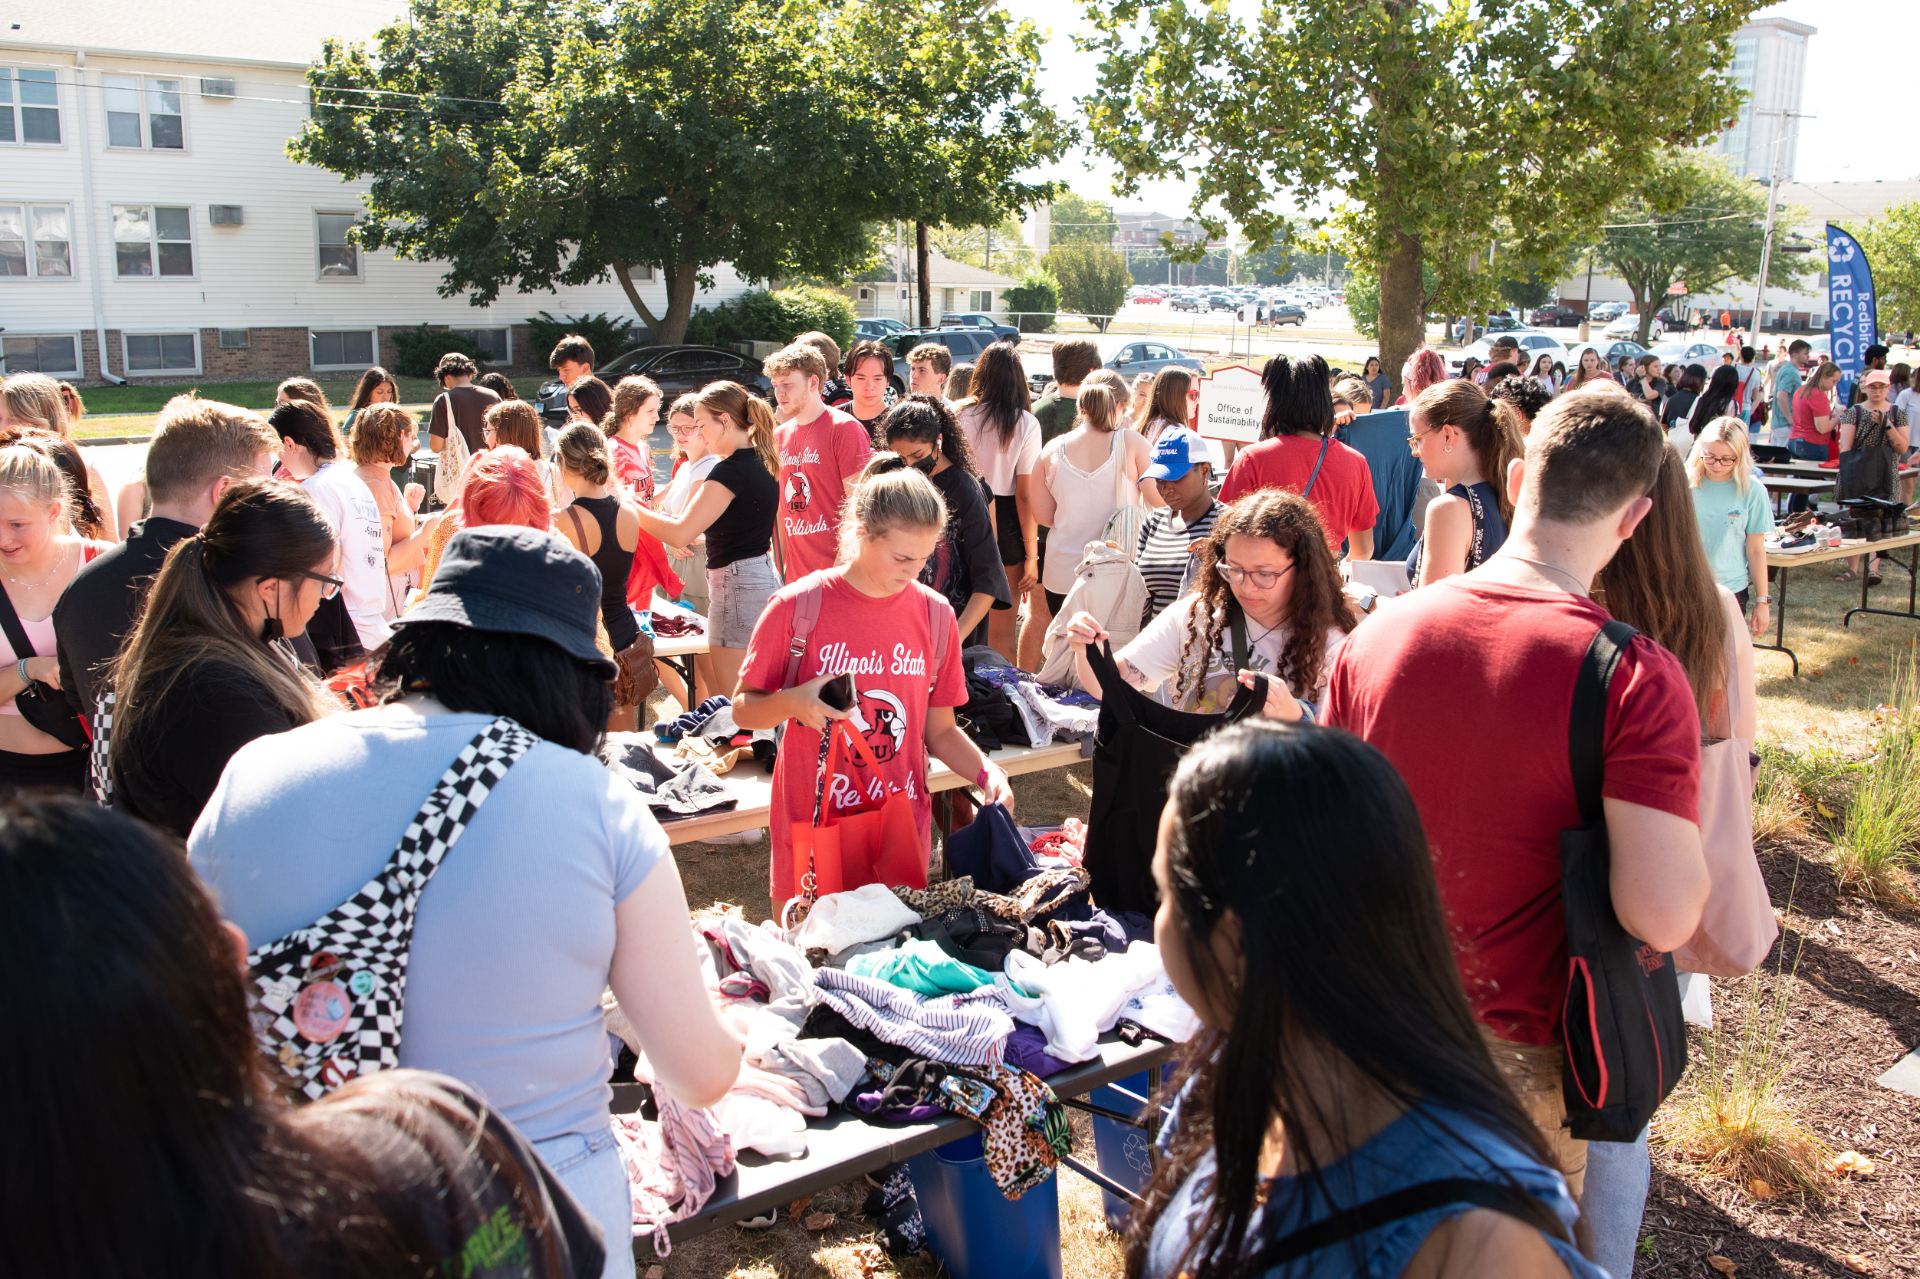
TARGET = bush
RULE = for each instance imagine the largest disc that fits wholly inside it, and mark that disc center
(1093, 280)
(1033, 301)
(607, 335)
(780, 316)
(1877, 844)
(422, 346)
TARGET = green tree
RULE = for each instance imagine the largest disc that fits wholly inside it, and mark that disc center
(1270, 265)
(1078, 219)
(1694, 222)
(532, 144)
(1001, 247)
(1892, 242)
(1427, 125)
(1034, 301)
(1093, 280)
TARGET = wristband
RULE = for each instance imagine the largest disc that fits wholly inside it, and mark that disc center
(980, 781)
(20, 668)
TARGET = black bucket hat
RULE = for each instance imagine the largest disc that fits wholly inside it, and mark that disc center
(517, 581)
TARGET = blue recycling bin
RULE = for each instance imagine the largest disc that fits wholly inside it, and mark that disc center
(978, 1232)
(1122, 1152)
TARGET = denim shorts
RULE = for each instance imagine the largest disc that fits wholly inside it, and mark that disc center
(1807, 450)
(736, 597)
(589, 1166)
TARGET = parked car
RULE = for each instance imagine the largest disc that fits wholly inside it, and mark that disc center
(1286, 313)
(876, 327)
(1628, 325)
(965, 344)
(1533, 345)
(1556, 317)
(1705, 354)
(1136, 358)
(1600, 312)
(678, 369)
(975, 320)
(1611, 352)
(1152, 297)
(1187, 302)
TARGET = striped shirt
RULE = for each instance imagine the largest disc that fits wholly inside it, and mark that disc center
(962, 1030)
(1163, 556)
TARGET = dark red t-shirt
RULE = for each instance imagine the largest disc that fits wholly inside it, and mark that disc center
(1466, 687)
(1342, 493)
(887, 646)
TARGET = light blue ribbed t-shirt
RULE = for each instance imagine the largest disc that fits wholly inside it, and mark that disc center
(515, 931)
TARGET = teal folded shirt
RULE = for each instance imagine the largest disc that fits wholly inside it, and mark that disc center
(921, 967)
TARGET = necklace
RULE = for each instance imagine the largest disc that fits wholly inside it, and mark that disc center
(59, 559)
(1579, 586)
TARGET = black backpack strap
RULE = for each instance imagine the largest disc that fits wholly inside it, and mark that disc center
(1587, 725)
(1237, 633)
(1408, 1202)
(1326, 442)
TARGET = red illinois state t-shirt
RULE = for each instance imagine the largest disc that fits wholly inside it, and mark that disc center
(1467, 688)
(887, 646)
(1342, 493)
(816, 460)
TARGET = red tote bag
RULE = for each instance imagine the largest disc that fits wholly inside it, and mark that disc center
(879, 844)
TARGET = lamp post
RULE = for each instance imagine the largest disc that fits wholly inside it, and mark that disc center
(1773, 205)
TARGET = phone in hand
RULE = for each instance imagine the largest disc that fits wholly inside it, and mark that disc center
(839, 692)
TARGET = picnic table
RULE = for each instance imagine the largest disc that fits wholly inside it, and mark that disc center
(1783, 486)
(842, 1145)
(754, 789)
(680, 651)
(1814, 470)
(1784, 561)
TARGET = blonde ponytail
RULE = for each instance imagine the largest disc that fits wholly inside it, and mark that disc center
(1097, 407)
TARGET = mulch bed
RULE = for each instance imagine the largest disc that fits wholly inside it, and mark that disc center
(1853, 1012)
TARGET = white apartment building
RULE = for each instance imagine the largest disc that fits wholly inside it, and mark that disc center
(1769, 62)
(152, 226)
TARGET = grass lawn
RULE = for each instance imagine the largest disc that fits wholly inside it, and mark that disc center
(129, 410)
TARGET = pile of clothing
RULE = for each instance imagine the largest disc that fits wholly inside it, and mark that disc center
(1006, 706)
(684, 788)
(903, 1004)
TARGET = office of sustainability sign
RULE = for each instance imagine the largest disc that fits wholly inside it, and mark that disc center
(1231, 405)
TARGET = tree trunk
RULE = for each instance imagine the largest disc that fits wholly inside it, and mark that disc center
(1642, 307)
(1402, 319)
(682, 283)
(922, 266)
(623, 273)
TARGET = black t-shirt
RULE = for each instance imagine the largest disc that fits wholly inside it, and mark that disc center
(745, 528)
(97, 611)
(967, 560)
(205, 715)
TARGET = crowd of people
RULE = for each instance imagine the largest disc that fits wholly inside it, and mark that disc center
(276, 658)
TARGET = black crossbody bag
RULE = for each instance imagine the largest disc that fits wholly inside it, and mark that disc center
(1626, 1041)
(41, 705)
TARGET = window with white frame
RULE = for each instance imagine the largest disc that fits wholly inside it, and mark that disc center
(161, 352)
(342, 348)
(339, 259)
(152, 239)
(145, 112)
(36, 240)
(29, 107)
(982, 300)
(493, 346)
(56, 354)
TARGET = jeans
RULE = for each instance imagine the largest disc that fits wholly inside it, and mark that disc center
(1614, 1199)
(591, 1170)
(736, 597)
(1803, 451)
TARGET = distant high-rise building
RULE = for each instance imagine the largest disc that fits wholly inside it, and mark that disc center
(1769, 62)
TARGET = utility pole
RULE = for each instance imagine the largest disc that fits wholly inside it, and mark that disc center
(1586, 303)
(1773, 204)
(923, 264)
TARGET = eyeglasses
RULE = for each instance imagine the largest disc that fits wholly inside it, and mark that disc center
(1717, 459)
(1264, 579)
(682, 428)
(488, 432)
(329, 586)
(1413, 440)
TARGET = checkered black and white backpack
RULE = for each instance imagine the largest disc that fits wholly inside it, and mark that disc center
(332, 994)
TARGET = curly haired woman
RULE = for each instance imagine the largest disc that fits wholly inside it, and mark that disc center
(1269, 602)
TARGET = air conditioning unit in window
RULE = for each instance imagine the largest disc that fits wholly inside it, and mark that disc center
(235, 339)
(216, 86)
(225, 215)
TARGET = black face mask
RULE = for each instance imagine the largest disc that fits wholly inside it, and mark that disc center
(926, 464)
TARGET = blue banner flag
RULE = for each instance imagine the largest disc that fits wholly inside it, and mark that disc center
(1851, 326)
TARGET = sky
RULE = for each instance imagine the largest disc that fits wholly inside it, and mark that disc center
(1862, 106)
